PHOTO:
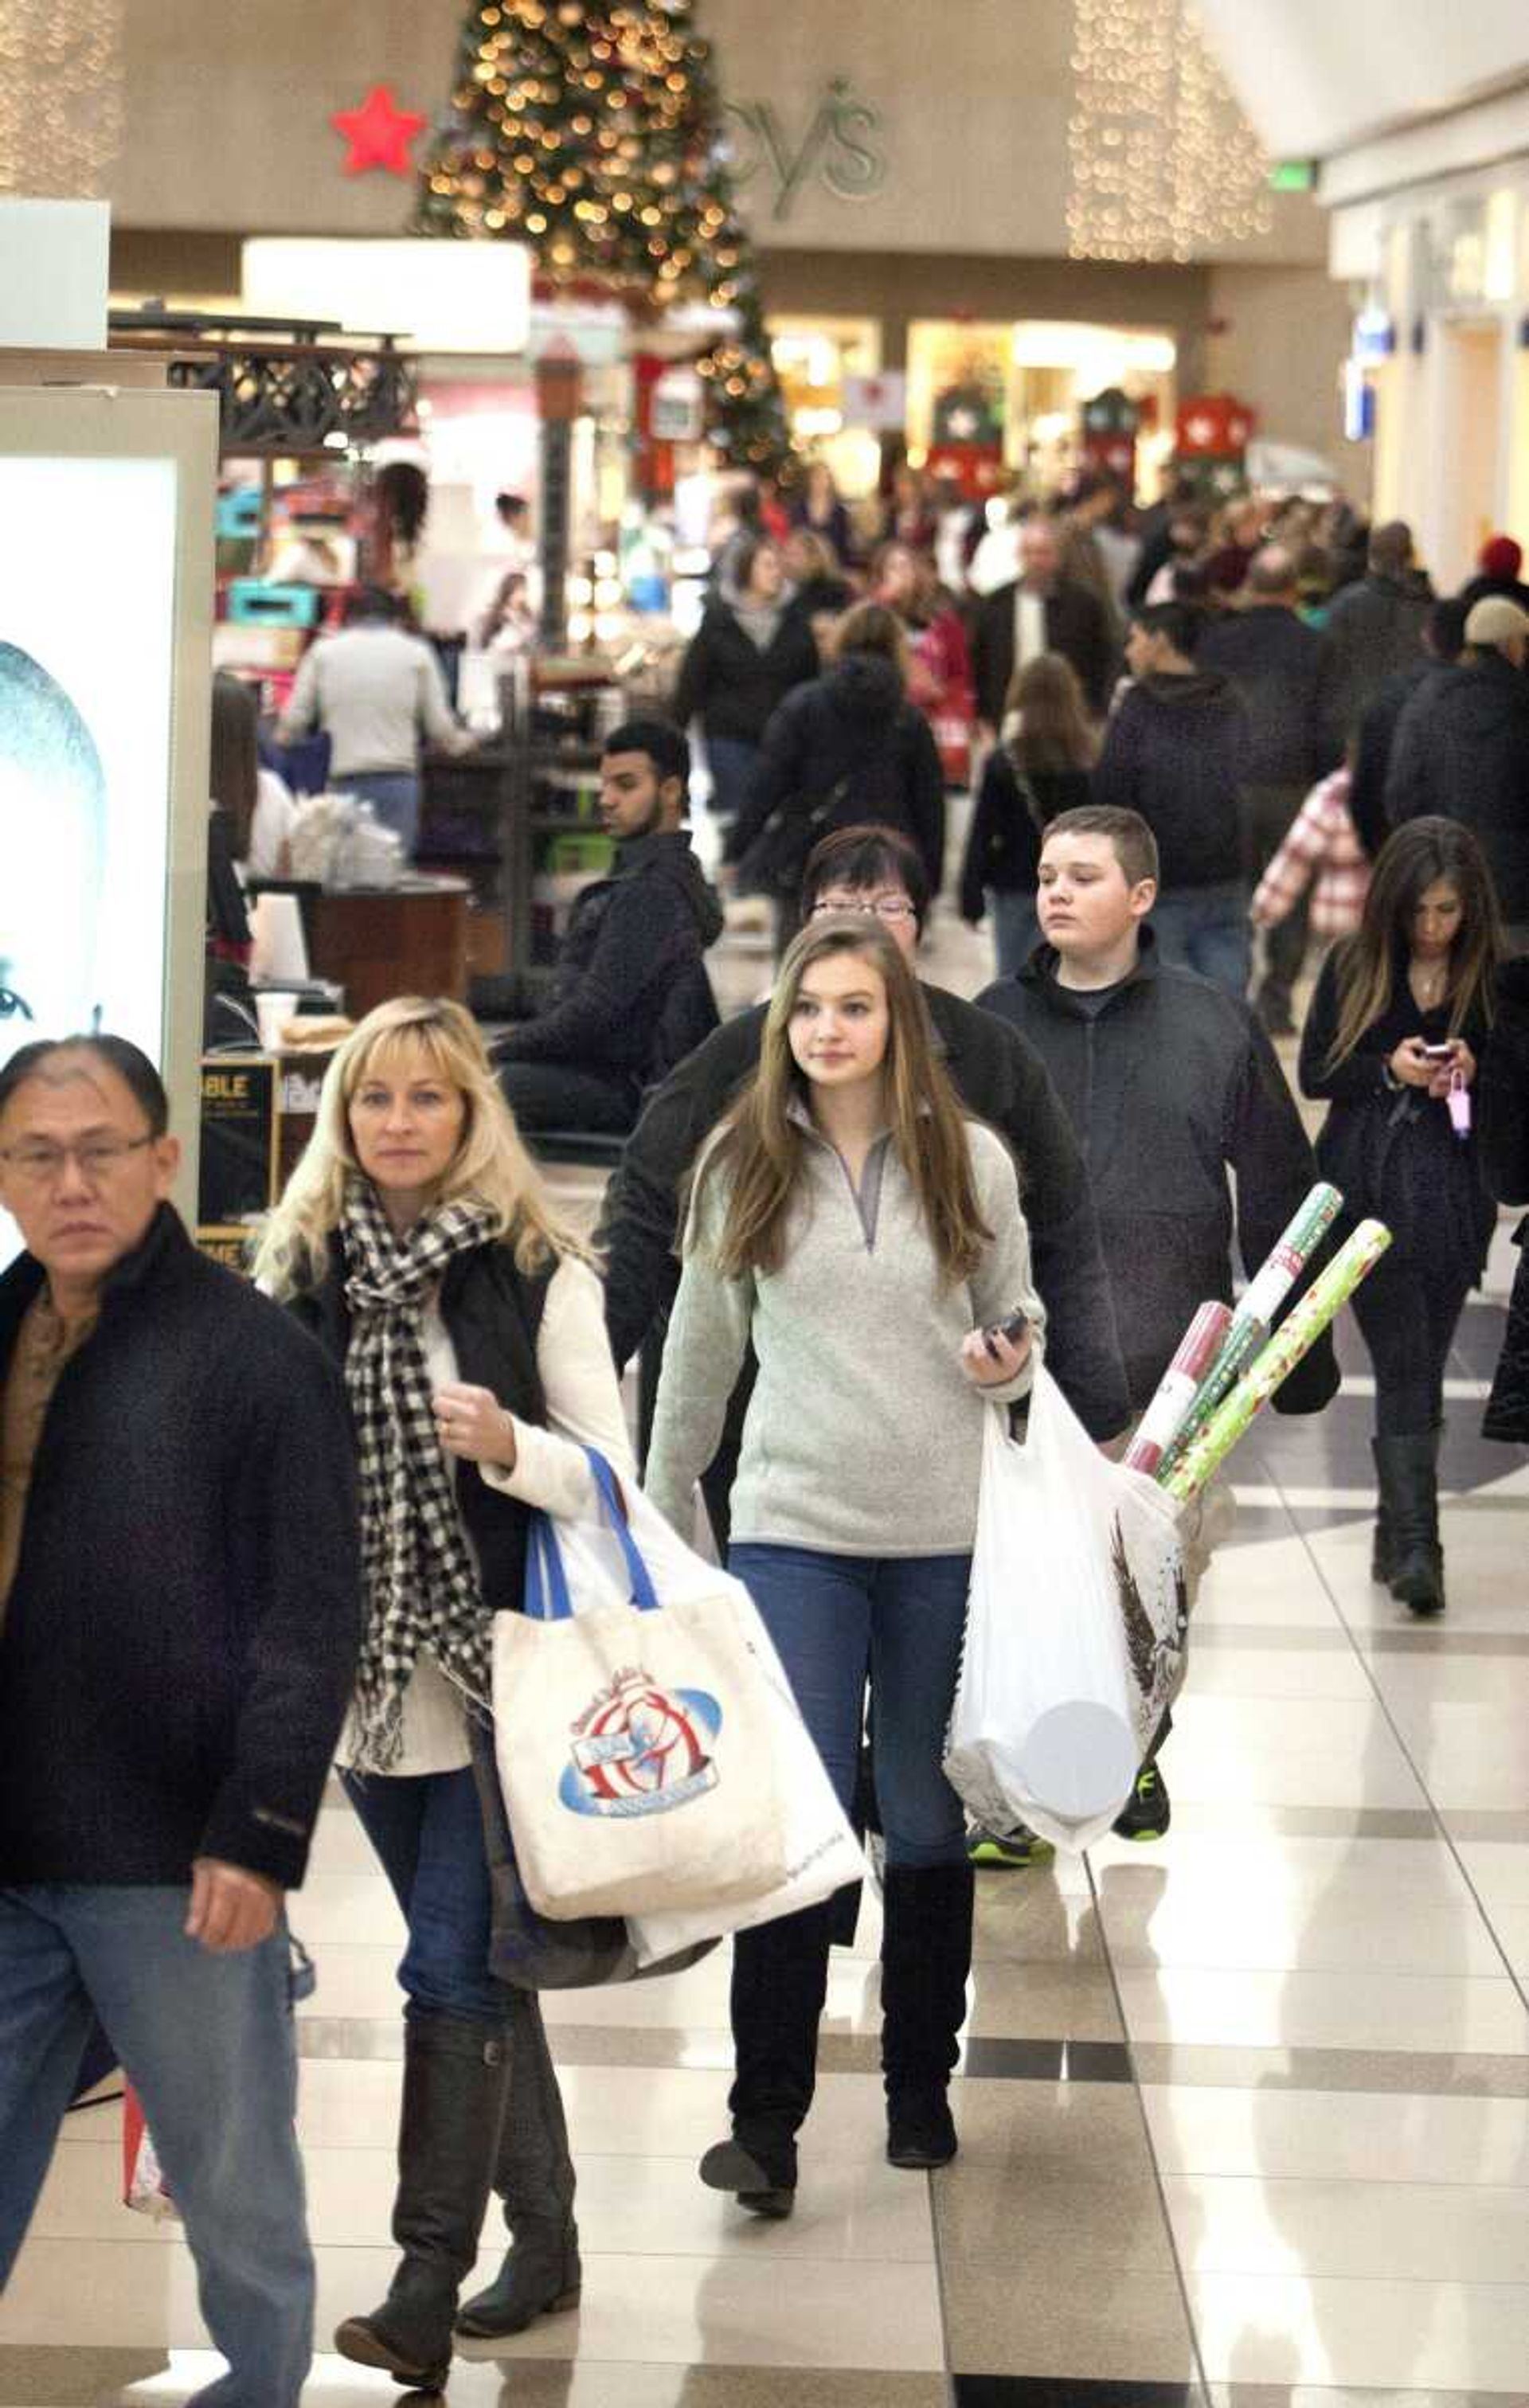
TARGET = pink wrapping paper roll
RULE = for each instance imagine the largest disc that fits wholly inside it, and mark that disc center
(1179, 1386)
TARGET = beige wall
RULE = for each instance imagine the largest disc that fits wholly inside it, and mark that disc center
(1286, 334)
(228, 105)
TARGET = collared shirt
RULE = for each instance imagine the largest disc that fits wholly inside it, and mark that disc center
(44, 1344)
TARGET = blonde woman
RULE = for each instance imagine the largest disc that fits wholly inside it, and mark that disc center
(416, 1241)
(867, 1240)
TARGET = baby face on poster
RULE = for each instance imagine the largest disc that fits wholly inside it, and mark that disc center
(52, 856)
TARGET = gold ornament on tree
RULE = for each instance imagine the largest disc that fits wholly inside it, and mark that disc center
(1163, 164)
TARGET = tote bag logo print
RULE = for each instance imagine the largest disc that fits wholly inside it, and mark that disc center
(640, 1749)
(1157, 1654)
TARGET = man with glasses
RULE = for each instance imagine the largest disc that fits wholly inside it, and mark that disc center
(179, 1614)
(999, 1079)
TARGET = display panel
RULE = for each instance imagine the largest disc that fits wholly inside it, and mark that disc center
(87, 586)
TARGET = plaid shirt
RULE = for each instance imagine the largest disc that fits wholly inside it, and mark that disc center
(1322, 840)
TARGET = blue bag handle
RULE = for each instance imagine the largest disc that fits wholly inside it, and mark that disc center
(547, 1598)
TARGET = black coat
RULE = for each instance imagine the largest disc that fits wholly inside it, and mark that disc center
(492, 1314)
(180, 1637)
(847, 748)
(1177, 751)
(1375, 630)
(1373, 748)
(1171, 1087)
(1501, 1104)
(731, 683)
(1461, 749)
(1397, 1156)
(1286, 674)
(1003, 842)
(632, 939)
(1077, 626)
(998, 1078)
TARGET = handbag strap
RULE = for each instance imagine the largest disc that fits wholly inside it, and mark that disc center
(547, 1593)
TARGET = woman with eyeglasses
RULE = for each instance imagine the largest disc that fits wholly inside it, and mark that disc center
(849, 1224)
(417, 1242)
(848, 749)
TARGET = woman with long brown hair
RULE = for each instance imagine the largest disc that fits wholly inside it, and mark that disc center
(849, 1224)
(1393, 1042)
(1039, 768)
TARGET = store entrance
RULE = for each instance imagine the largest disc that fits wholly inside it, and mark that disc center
(1466, 444)
(1016, 393)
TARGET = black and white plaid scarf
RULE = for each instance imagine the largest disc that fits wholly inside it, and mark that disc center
(422, 1584)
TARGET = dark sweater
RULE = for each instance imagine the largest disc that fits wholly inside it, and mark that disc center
(1177, 751)
(846, 749)
(1003, 845)
(731, 683)
(1461, 749)
(181, 1640)
(1171, 1086)
(998, 1078)
(1287, 676)
(631, 940)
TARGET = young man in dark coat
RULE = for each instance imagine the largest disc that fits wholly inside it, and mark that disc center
(1175, 1092)
(631, 995)
(997, 1075)
(1375, 626)
(179, 1616)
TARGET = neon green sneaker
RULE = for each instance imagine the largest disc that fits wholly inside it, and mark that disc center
(1013, 1853)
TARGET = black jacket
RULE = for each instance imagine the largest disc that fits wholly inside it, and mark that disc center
(1170, 1087)
(1078, 626)
(1003, 843)
(632, 939)
(1286, 674)
(1177, 751)
(1461, 749)
(847, 748)
(180, 1637)
(492, 1314)
(1374, 745)
(1501, 1104)
(730, 683)
(1375, 630)
(998, 1078)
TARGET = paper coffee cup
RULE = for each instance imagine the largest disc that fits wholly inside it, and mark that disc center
(272, 1013)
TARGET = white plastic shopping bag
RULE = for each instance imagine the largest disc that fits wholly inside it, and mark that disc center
(634, 1735)
(1075, 1633)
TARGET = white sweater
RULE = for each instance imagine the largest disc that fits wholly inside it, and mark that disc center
(864, 1434)
(584, 1409)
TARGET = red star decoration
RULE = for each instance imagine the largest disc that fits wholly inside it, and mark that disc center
(378, 133)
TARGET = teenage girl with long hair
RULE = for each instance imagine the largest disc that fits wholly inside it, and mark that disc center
(1038, 768)
(849, 1224)
(418, 1243)
(1393, 1042)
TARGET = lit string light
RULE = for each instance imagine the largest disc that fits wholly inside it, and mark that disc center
(1164, 163)
(61, 95)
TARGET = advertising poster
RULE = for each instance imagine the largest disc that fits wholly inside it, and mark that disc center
(87, 594)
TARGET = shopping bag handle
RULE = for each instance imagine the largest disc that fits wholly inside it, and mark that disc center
(546, 1596)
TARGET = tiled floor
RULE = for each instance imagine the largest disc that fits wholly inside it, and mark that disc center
(1243, 2115)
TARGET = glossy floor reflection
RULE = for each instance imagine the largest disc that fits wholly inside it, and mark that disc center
(1243, 2115)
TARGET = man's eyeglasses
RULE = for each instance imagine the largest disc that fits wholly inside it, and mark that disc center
(43, 1165)
(880, 907)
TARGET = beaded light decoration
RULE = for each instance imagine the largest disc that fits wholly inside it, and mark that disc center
(61, 95)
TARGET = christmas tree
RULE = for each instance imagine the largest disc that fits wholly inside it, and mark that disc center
(594, 135)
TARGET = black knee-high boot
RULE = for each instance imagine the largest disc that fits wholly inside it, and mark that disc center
(534, 2176)
(780, 1979)
(1409, 1474)
(926, 1954)
(455, 2080)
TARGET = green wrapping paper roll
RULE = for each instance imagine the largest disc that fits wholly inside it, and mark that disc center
(1297, 1333)
(1240, 1347)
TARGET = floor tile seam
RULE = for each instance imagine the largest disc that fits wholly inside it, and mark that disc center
(1433, 1806)
(1179, 2269)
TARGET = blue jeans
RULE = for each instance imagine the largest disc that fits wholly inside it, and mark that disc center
(733, 766)
(393, 795)
(1206, 928)
(900, 1621)
(207, 2042)
(428, 1831)
(1016, 928)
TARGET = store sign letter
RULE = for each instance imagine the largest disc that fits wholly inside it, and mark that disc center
(838, 148)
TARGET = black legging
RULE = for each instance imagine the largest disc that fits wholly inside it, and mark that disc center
(1408, 1316)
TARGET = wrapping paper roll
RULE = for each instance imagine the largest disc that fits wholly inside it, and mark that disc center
(1239, 1349)
(1265, 1294)
(1298, 1332)
(1178, 1388)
